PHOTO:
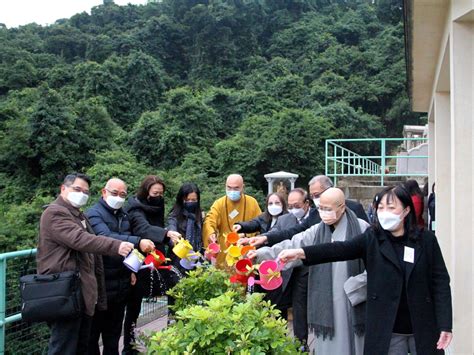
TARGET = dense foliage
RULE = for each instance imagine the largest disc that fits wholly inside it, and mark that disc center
(226, 325)
(191, 90)
(201, 285)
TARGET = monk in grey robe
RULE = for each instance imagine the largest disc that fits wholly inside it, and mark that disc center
(337, 325)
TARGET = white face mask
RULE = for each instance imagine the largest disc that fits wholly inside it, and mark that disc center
(316, 202)
(298, 212)
(328, 217)
(389, 221)
(115, 202)
(77, 199)
(274, 210)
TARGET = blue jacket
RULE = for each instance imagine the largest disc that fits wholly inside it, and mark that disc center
(114, 224)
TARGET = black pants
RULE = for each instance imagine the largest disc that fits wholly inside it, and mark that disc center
(137, 293)
(299, 298)
(108, 324)
(134, 305)
(70, 336)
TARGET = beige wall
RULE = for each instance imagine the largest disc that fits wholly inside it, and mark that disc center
(451, 115)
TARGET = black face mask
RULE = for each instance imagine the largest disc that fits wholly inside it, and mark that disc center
(157, 201)
(191, 207)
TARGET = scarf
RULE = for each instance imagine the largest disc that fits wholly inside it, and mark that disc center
(193, 231)
(320, 298)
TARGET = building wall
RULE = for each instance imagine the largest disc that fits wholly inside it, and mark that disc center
(451, 134)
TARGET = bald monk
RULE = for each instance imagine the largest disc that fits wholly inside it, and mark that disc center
(338, 326)
(234, 207)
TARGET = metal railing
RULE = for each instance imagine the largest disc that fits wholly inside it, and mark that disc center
(375, 158)
(18, 337)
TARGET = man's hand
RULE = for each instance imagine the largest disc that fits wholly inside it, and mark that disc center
(236, 227)
(125, 248)
(291, 255)
(174, 236)
(444, 340)
(257, 241)
(146, 245)
(133, 279)
(213, 238)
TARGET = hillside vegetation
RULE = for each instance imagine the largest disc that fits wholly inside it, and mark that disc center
(191, 90)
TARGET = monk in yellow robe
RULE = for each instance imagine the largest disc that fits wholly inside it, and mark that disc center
(234, 207)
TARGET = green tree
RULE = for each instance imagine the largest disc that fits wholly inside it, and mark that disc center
(183, 122)
(116, 163)
(66, 41)
(129, 85)
(291, 140)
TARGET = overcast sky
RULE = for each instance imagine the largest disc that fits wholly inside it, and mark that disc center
(14, 13)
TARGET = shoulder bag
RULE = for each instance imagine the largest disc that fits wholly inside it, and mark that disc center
(51, 297)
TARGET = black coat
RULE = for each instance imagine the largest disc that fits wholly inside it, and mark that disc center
(427, 287)
(115, 224)
(313, 218)
(147, 222)
(258, 224)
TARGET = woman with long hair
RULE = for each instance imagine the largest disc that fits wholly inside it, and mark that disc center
(408, 294)
(146, 212)
(186, 217)
(275, 206)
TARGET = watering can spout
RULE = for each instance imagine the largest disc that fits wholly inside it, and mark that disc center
(147, 266)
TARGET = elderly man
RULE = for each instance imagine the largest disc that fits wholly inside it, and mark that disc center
(228, 210)
(338, 326)
(317, 185)
(108, 219)
(66, 242)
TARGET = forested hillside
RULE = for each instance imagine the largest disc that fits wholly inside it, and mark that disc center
(191, 90)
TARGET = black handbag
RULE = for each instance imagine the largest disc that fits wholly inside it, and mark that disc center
(51, 297)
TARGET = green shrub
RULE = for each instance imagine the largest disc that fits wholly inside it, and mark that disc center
(201, 285)
(226, 326)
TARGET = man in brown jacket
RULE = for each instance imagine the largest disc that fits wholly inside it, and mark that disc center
(66, 238)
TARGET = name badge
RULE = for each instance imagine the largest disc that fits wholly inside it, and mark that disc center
(233, 214)
(409, 255)
(83, 222)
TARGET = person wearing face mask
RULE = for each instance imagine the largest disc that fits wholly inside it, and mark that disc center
(275, 208)
(146, 211)
(338, 326)
(295, 280)
(317, 185)
(186, 218)
(409, 307)
(108, 218)
(66, 242)
(234, 207)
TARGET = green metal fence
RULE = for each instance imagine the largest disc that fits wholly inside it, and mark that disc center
(18, 337)
(368, 157)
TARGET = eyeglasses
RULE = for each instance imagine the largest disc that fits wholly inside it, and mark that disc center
(318, 195)
(116, 193)
(79, 189)
(295, 206)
